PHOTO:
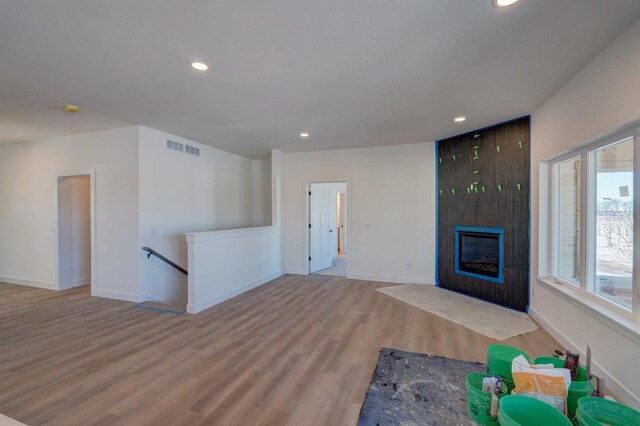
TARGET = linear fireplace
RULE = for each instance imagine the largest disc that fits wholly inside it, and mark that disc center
(479, 252)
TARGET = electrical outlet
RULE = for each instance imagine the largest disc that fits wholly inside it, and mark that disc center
(367, 227)
(153, 231)
(409, 266)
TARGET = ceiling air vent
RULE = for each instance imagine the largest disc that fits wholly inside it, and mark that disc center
(177, 146)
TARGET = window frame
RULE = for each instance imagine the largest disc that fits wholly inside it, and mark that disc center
(588, 218)
(555, 221)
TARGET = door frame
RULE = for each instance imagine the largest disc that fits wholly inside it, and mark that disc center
(306, 187)
(343, 224)
(91, 172)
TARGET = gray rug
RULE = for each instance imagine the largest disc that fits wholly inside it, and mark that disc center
(408, 388)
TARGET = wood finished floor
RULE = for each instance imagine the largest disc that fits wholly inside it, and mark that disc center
(299, 351)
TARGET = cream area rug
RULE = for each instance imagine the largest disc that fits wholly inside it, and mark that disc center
(486, 318)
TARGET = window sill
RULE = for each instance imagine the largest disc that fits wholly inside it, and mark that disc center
(615, 320)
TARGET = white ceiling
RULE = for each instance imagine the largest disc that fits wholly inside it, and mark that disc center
(351, 72)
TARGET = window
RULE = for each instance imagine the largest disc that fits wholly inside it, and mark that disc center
(569, 220)
(614, 222)
(593, 240)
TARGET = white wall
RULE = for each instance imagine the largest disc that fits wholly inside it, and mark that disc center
(182, 193)
(261, 192)
(146, 194)
(74, 231)
(28, 213)
(601, 98)
(225, 263)
(391, 209)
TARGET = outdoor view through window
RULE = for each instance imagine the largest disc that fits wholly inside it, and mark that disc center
(614, 222)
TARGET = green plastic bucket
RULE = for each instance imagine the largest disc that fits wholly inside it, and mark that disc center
(578, 389)
(520, 410)
(499, 358)
(478, 402)
(597, 411)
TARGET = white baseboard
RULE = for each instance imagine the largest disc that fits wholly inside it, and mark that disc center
(391, 279)
(127, 297)
(294, 271)
(198, 307)
(30, 283)
(611, 383)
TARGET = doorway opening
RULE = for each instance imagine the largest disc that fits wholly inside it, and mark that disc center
(328, 240)
(75, 235)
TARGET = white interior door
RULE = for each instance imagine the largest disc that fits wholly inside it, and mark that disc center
(322, 221)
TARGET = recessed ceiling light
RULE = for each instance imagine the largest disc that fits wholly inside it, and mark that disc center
(71, 108)
(460, 119)
(503, 3)
(200, 66)
(304, 134)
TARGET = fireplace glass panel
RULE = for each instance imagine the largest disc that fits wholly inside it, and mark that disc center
(479, 252)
